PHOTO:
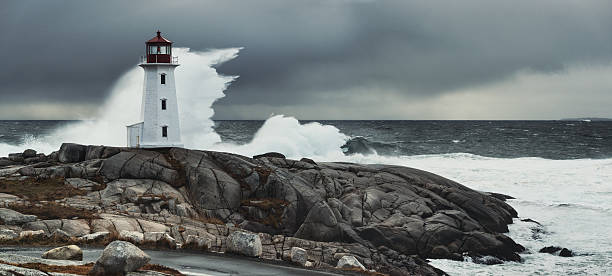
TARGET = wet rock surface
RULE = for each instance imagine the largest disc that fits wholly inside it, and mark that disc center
(387, 217)
(556, 250)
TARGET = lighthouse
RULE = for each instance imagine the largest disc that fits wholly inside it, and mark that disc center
(159, 120)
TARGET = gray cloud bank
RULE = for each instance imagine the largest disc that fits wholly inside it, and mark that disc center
(333, 59)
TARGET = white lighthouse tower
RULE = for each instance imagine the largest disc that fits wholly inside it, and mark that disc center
(159, 126)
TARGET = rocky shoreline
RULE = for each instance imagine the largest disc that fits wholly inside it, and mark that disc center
(389, 219)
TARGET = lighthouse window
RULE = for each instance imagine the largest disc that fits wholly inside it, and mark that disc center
(163, 78)
(163, 104)
(159, 50)
(164, 131)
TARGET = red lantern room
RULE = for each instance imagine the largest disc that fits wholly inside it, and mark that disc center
(159, 50)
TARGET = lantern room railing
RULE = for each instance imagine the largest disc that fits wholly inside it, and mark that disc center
(153, 59)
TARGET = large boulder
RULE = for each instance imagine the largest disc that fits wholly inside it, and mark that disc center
(29, 153)
(119, 258)
(11, 217)
(243, 243)
(320, 224)
(69, 252)
(72, 153)
(213, 189)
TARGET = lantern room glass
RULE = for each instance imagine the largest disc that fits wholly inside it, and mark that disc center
(159, 50)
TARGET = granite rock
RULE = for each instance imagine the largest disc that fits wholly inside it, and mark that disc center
(10, 217)
(119, 257)
(69, 252)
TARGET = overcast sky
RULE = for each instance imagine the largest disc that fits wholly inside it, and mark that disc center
(327, 59)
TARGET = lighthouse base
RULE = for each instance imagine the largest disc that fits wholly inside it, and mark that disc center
(160, 146)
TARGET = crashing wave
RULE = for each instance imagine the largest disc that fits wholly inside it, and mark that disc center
(361, 145)
(358, 145)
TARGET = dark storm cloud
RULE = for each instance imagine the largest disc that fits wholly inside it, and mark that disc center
(300, 53)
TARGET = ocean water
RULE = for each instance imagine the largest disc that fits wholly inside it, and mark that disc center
(560, 172)
(503, 139)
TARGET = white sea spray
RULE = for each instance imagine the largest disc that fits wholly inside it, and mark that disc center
(198, 87)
